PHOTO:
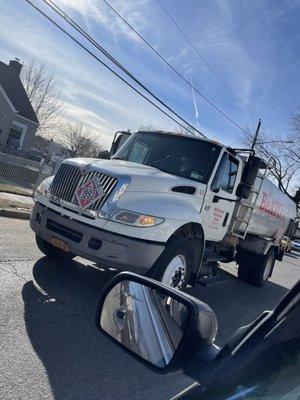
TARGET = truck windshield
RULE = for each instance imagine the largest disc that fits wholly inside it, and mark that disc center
(177, 155)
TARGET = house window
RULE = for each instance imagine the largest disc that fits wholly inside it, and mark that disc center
(15, 136)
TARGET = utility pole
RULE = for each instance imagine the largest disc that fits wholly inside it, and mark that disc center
(256, 134)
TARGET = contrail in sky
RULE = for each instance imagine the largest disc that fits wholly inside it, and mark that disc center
(194, 100)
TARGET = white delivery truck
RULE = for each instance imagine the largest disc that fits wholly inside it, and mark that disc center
(167, 205)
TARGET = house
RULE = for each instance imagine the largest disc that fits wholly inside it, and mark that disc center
(48, 147)
(18, 122)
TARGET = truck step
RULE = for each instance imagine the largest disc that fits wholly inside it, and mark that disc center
(244, 221)
(238, 233)
(248, 206)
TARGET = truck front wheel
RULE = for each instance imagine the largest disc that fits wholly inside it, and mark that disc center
(52, 252)
(175, 265)
(256, 269)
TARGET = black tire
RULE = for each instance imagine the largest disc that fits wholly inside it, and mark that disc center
(243, 272)
(181, 247)
(254, 268)
(262, 269)
(52, 252)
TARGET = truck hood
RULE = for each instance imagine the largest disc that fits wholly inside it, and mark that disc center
(141, 178)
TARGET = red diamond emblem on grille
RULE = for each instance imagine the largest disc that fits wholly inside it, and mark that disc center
(89, 192)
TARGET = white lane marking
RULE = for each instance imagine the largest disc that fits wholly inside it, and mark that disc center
(186, 390)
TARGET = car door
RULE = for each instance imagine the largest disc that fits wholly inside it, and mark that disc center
(216, 215)
(260, 362)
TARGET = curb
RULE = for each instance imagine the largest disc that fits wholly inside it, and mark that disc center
(10, 213)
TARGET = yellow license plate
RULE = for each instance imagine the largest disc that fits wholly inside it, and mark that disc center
(60, 244)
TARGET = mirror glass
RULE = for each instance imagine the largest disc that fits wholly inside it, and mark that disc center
(144, 320)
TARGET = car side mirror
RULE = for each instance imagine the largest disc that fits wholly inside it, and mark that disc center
(243, 190)
(160, 326)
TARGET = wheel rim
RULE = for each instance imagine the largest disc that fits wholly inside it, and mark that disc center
(268, 268)
(175, 272)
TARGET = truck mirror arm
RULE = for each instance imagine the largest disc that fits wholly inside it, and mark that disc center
(217, 198)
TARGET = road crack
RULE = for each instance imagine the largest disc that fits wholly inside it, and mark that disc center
(14, 272)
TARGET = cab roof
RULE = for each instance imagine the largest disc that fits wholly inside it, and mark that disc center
(172, 133)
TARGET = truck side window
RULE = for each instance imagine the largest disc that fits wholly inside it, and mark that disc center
(138, 152)
(225, 175)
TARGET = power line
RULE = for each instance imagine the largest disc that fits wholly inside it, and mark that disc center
(171, 66)
(202, 58)
(91, 40)
(71, 22)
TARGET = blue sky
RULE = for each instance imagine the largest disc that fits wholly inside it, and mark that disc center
(253, 45)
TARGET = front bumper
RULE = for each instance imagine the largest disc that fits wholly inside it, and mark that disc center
(95, 244)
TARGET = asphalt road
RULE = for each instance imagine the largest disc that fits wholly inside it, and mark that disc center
(49, 346)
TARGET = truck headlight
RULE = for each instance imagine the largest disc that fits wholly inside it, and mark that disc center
(45, 187)
(135, 219)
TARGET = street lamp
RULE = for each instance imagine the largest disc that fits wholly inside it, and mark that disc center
(275, 141)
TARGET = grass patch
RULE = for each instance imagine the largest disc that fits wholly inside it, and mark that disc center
(15, 190)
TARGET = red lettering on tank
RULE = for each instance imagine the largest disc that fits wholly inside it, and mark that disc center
(271, 206)
(263, 201)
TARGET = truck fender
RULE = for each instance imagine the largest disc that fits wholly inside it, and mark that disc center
(194, 232)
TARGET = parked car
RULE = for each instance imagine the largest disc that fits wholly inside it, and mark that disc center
(168, 330)
(296, 245)
(286, 244)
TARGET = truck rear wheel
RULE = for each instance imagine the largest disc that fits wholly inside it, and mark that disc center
(175, 265)
(254, 268)
(52, 252)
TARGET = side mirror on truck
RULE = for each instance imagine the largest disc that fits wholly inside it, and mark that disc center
(243, 190)
(160, 326)
(249, 175)
(119, 139)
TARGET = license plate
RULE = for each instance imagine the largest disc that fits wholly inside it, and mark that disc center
(60, 244)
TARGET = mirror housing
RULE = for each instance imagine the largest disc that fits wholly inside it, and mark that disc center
(251, 169)
(118, 141)
(199, 331)
(243, 190)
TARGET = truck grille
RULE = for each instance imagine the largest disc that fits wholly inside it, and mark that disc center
(69, 177)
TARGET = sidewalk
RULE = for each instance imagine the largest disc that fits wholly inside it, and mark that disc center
(9, 188)
(15, 205)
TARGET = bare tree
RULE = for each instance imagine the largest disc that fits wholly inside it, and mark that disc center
(283, 169)
(148, 128)
(104, 154)
(294, 150)
(41, 88)
(79, 140)
(187, 130)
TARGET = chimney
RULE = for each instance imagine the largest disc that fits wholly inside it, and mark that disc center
(15, 66)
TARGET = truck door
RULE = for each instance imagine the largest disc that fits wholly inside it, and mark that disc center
(216, 215)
